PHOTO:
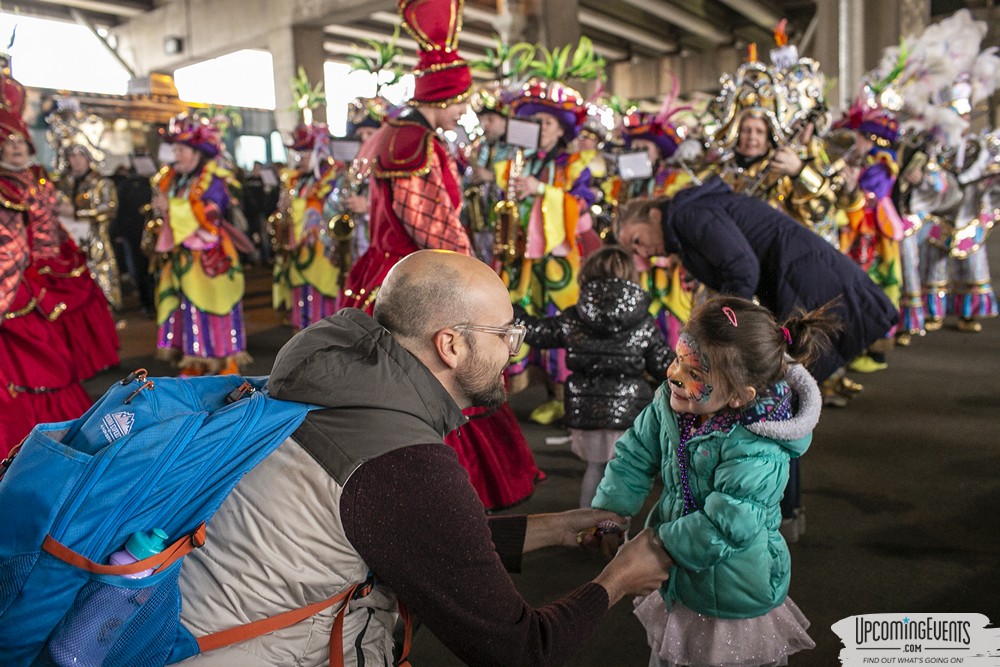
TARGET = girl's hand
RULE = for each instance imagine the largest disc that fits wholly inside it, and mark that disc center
(639, 568)
(607, 535)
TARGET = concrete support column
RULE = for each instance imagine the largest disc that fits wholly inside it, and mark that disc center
(853, 34)
(291, 48)
(559, 22)
(851, 58)
(889, 21)
(825, 49)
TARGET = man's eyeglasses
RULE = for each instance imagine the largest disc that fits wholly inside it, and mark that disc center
(512, 335)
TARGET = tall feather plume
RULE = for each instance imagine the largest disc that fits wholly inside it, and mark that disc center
(667, 109)
(927, 68)
(985, 75)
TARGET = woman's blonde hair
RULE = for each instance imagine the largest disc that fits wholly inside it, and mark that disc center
(636, 211)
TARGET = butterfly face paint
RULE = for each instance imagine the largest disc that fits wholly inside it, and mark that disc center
(689, 377)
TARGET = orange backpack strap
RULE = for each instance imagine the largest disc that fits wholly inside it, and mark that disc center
(285, 620)
(240, 633)
(337, 633)
(160, 561)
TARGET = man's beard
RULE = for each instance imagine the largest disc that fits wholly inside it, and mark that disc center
(484, 389)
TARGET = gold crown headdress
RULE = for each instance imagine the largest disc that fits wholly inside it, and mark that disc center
(754, 90)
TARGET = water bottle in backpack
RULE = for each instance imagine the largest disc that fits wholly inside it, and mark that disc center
(91, 627)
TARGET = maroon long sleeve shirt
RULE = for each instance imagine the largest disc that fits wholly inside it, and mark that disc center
(416, 520)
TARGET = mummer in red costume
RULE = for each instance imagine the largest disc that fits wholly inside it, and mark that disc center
(55, 325)
(415, 200)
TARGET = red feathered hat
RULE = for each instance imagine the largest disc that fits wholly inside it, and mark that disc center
(442, 77)
(648, 126)
(304, 136)
(10, 88)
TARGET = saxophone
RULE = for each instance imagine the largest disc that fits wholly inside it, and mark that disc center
(279, 223)
(476, 193)
(508, 240)
(152, 226)
(341, 227)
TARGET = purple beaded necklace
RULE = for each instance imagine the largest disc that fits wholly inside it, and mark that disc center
(686, 424)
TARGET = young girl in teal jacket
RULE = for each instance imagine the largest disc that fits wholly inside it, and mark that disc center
(737, 405)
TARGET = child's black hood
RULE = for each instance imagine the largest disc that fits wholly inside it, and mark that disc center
(612, 306)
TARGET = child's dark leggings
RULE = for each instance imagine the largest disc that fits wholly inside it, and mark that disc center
(793, 491)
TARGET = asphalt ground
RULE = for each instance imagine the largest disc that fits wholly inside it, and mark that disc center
(901, 489)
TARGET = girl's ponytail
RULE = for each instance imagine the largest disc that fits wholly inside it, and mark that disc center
(810, 333)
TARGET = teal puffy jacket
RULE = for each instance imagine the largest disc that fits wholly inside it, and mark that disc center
(730, 560)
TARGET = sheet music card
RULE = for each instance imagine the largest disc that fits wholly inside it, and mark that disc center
(634, 165)
(522, 133)
(344, 150)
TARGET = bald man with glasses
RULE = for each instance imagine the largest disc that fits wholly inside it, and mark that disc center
(366, 489)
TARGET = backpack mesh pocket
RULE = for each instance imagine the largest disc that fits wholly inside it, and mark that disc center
(13, 573)
(115, 625)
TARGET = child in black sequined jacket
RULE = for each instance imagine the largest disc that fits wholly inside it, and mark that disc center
(611, 344)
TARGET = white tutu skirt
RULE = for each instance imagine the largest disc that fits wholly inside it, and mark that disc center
(684, 637)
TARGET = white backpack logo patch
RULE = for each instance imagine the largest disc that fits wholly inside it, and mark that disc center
(116, 425)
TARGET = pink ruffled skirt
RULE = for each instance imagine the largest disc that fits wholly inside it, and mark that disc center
(684, 637)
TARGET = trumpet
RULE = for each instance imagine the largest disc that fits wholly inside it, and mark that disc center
(508, 239)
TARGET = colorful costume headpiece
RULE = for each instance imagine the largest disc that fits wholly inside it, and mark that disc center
(489, 98)
(197, 132)
(596, 121)
(546, 92)
(304, 136)
(754, 90)
(880, 126)
(383, 68)
(645, 125)
(66, 134)
(554, 98)
(802, 86)
(12, 104)
(366, 112)
(442, 76)
(657, 127)
(507, 63)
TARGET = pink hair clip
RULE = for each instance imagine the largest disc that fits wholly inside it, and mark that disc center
(728, 312)
(788, 335)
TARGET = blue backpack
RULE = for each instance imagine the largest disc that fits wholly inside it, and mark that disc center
(151, 453)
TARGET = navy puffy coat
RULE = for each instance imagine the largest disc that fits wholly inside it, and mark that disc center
(739, 245)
